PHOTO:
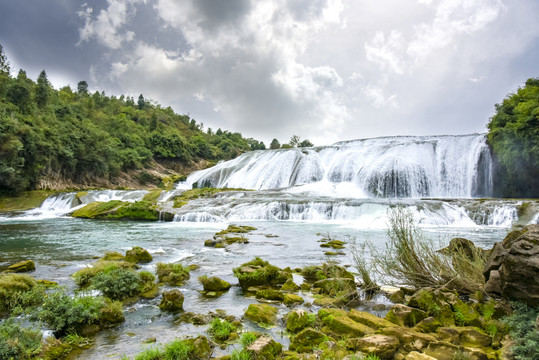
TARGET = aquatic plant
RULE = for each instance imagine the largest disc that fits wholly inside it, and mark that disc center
(17, 342)
(221, 329)
(117, 284)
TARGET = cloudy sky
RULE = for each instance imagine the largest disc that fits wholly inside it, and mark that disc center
(325, 70)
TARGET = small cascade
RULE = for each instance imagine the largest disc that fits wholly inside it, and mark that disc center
(390, 167)
(54, 206)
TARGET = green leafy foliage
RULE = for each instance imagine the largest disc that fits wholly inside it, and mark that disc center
(117, 284)
(523, 331)
(17, 342)
(514, 138)
(83, 137)
(19, 293)
(221, 329)
(66, 314)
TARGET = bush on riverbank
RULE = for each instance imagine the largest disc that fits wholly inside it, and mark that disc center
(19, 293)
(410, 259)
(17, 342)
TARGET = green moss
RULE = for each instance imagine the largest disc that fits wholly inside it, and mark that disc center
(113, 256)
(236, 229)
(24, 201)
(140, 210)
(19, 292)
(138, 255)
(84, 276)
(196, 193)
(259, 272)
(298, 320)
(152, 196)
(173, 274)
(339, 322)
(307, 340)
(270, 294)
(262, 314)
(213, 283)
(292, 299)
(168, 182)
(97, 209)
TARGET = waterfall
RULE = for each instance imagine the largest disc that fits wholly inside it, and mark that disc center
(389, 167)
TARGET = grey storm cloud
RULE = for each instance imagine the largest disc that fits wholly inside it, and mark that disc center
(326, 70)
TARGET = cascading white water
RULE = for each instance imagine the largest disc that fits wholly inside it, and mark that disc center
(410, 167)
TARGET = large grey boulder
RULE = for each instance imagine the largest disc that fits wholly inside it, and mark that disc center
(512, 268)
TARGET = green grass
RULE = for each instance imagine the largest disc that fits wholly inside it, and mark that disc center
(173, 274)
(221, 329)
(24, 201)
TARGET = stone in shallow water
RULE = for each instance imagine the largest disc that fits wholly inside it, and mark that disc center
(23, 266)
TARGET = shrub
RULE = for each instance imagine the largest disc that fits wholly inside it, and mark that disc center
(221, 329)
(117, 284)
(412, 260)
(112, 312)
(173, 274)
(147, 281)
(17, 342)
(65, 314)
(19, 292)
(84, 277)
(523, 331)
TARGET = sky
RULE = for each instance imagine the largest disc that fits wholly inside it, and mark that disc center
(325, 70)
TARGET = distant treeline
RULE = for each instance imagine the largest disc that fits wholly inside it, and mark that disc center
(514, 139)
(78, 135)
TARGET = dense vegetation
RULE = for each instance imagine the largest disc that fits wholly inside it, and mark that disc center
(514, 138)
(73, 135)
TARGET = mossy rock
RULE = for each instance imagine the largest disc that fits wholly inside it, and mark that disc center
(111, 313)
(262, 314)
(327, 270)
(333, 286)
(436, 303)
(98, 209)
(264, 348)
(290, 286)
(260, 273)
(335, 244)
(409, 339)
(298, 320)
(307, 340)
(47, 283)
(113, 256)
(270, 294)
(172, 301)
(467, 336)
(292, 299)
(428, 325)
(340, 299)
(214, 283)
(338, 321)
(403, 315)
(369, 319)
(172, 274)
(382, 346)
(138, 255)
(21, 267)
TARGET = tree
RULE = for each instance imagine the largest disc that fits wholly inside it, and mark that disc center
(42, 90)
(514, 139)
(18, 92)
(4, 64)
(141, 102)
(82, 87)
(305, 143)
(294, 141)
(275, 144)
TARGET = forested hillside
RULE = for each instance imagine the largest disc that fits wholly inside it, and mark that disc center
(514, 139)
(79, 137)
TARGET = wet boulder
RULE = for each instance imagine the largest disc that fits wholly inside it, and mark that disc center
(298, 320)
(264, 348)
(172, 300)
(382, 346)
(512, 268)
(262, 314)
(138, 255)
(306, 340)
(22, 266)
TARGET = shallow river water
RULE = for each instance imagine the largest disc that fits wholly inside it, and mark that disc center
(62, 245)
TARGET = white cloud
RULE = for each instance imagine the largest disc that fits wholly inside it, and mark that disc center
(106, 26)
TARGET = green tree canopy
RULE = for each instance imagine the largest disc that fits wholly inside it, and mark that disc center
(275, 144)
(514, 138)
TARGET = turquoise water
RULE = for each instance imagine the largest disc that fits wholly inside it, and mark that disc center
(61, 246)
